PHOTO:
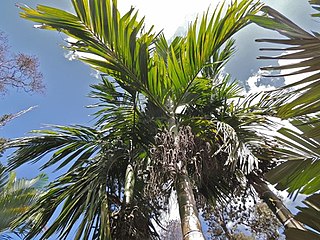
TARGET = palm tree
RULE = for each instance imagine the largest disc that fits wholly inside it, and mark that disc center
(302, 111)
(16, 198)
(148, 138)
(274, 203)
(167, 119)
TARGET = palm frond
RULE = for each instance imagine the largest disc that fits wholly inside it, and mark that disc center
(122, 116)
(90, 193)
(303, 47)
(17, 196)
(113, 44)
(70, 143)
(116, 107)
(202, 45)
(300, 173)
(298, 147)
(3, 176)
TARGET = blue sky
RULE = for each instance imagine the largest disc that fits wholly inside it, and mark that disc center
(67, 82)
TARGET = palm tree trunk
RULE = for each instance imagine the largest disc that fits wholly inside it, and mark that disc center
(129, 184)
(274, 203)
(190, 223)
(105, 231)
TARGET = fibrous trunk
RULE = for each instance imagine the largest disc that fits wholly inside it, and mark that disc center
(274, 203)
(190, 223)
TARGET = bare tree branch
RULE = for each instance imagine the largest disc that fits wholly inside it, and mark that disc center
(20, 71)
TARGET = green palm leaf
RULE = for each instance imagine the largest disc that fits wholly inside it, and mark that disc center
(110, 43)
(304, 47)
(201, 45)
(298, 147)
(17, 197)
(301, 173)
(91, 187)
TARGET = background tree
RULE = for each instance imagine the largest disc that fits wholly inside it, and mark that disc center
(18, 70)
(250, 218)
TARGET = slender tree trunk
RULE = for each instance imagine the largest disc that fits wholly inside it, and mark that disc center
(223, 224)
(105, 231)
(190, 223)
(105, 227)
(129, 185)
(274, 203)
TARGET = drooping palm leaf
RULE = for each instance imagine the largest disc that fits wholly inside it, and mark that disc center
(90, 188)
(65, 140)
(302, 172)
(302, 108)
(303, 47)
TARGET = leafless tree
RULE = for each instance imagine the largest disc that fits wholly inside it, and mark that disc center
(18, 70)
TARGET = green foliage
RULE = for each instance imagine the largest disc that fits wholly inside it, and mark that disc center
(145, 81)
(17, 196)
(302, 110)
(300, 175)
(94, 179)
(160, 101)
(303, 47)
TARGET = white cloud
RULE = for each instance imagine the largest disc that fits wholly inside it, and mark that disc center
(167, 14)
(71, 55)
(253, 83)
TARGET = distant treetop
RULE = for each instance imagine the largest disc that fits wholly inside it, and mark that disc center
(18, 70)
